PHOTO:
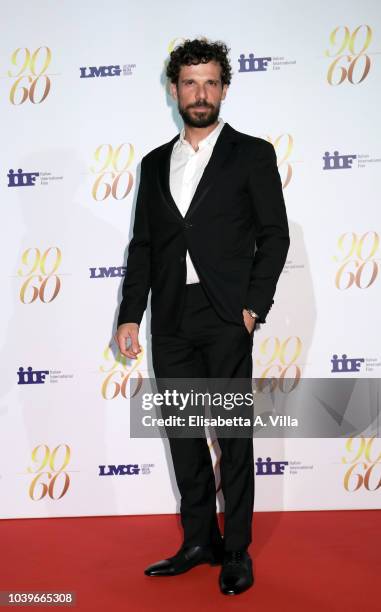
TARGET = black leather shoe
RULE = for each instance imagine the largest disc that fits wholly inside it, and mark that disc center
(236, 573)
(187, 558)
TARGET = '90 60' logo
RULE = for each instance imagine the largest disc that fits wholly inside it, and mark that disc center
(365, 464)
(348, 48)
(31, 81)
(39, 270)
(113, 175)
(358, 265)
(51, 479)
(279, 363)
(118, 375)
(283, 146)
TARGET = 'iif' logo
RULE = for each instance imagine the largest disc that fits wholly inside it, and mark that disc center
(337, 161)
(21, 179)
(346, 364)
(31, 377)
(270, 468)
(252, 63)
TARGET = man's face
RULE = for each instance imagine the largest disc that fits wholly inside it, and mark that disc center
(198, 93)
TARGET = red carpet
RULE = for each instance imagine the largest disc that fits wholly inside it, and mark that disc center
(304, 561)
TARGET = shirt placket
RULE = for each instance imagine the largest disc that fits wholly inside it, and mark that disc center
(187, 183)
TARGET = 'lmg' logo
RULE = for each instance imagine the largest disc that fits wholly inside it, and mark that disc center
(111, 272)
(21, 179)
(253, 64)
(346, 364)
(132, 469)
(88, 72)
(338, 162)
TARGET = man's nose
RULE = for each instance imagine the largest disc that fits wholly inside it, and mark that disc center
(201, 93)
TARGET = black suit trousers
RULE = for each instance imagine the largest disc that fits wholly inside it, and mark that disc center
(206, 346)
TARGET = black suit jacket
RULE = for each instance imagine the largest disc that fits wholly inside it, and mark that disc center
(235, 230)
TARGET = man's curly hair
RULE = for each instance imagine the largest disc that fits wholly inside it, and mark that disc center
(199, 51)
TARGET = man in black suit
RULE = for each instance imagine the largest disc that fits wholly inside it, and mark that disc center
(210, 240)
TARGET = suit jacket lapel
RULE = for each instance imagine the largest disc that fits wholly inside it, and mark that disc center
(220, 156)
(221, 153)
(163, 170)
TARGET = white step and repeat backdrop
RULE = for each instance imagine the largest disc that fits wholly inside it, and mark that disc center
(82, 99)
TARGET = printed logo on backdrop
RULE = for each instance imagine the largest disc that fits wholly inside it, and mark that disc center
(290, 266)
(110, 272)
(175, 42)
(51, 478)
(118, 374)
(359, 260)
(30, 80)
(349, 161)
(347, 364)
(28, 179)
(113, 177)
(284, 146)
(349, 51)
(265, 467)
(40, 282)
(278, 364)
(29, 376)
(363, 455)
(268, 467)
(114, 70)
(249, 62)
(128, 469)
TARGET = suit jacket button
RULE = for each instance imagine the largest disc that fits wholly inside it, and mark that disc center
(188, 225)
(182, 258)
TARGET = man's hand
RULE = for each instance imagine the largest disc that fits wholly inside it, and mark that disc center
(125, 332)
(249, 321)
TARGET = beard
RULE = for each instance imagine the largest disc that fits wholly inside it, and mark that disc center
(201, 119)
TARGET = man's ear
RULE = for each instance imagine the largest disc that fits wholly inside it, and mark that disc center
(224, 91)
(173, 90)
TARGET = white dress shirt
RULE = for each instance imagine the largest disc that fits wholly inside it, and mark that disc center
(186, 170)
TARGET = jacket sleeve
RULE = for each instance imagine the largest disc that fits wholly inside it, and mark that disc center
(272, 233)
(137, 281)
